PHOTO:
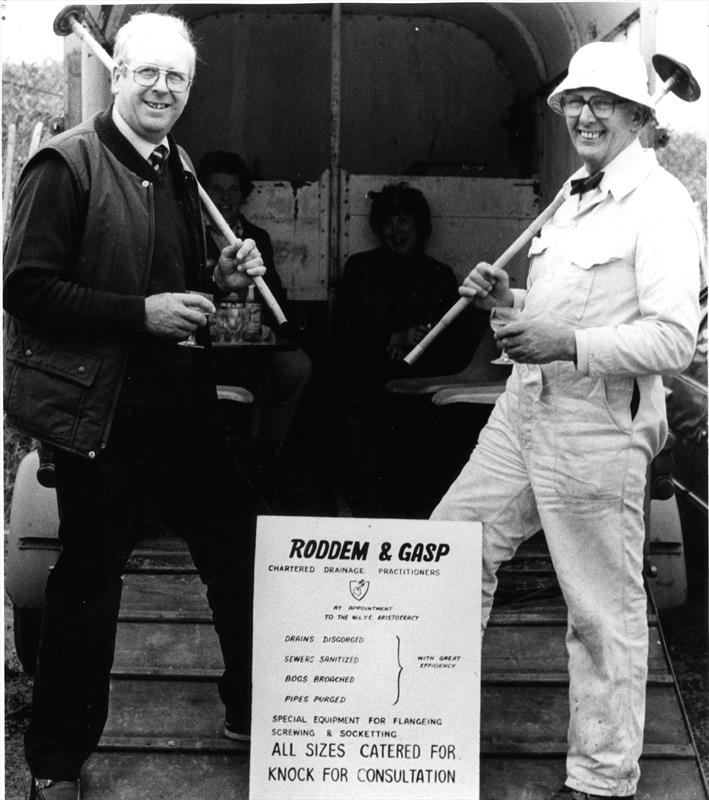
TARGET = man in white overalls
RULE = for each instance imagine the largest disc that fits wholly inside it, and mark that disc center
(611, 304)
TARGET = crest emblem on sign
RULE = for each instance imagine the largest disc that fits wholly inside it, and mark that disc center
(358, 589)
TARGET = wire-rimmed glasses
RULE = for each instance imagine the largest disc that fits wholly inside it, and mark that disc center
(149, 75)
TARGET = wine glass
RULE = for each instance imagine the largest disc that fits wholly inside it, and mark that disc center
(500, 316)
(191, 340)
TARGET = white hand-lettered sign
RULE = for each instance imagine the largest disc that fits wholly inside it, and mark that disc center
(366, 659)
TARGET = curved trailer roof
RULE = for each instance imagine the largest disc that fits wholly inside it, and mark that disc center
(534, 40)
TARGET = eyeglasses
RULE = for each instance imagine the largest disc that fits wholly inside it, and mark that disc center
(148, 75)
(601, 107)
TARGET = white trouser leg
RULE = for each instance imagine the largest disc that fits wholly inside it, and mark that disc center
(493, 488)
(597, 550)
(587, 469)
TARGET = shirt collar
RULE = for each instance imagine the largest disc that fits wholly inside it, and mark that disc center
(629, 169)
(625, 172)
(143, 146)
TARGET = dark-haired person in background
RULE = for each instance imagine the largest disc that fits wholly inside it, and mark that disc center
(278, 378)
(387, 300)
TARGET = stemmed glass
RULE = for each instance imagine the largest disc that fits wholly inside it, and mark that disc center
(191, 340)
(500, 316)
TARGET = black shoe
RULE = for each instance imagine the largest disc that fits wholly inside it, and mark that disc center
(48, 789)
(237, 733)
(567, 793)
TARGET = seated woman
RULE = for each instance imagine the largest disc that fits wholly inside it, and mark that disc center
(387, 300)
(276, 378)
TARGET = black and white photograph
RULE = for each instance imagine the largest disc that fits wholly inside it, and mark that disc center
(355, 400)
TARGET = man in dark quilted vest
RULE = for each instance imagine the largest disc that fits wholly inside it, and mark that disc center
(105, 244)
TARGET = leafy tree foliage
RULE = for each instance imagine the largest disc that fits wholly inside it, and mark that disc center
(685, 156)
(31, 93)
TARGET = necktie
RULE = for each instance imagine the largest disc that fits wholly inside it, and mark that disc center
(581, 185)
(157, 157)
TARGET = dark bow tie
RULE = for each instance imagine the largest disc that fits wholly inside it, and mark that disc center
(581, 185)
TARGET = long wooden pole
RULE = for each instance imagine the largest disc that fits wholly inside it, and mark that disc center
(457, 308)
(230, 236)
(211, 209)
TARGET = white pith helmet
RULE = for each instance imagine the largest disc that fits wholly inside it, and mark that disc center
(609, 66)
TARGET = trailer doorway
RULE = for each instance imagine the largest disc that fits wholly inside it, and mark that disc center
(327, 104)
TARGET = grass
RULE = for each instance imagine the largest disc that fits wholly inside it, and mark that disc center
(18, 694)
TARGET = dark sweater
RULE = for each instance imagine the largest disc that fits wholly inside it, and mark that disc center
(40, 259)
(381, 294)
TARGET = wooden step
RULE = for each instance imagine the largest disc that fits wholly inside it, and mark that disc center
(517, 649)
(163, 555)
(510, 653)
(166, 776)
(167, 648)
(174, 596)
(515, 718)
(180, 595)
(537, 778)
(163, 711)
(518, 716)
